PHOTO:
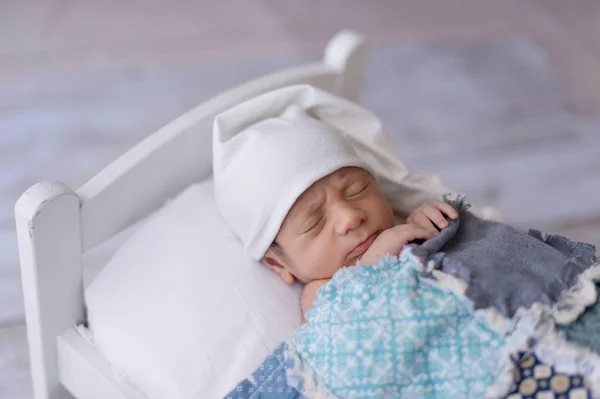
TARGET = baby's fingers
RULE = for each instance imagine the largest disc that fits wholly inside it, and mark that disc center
(423, 221)
(436, 217)
(446, 209)
(418, 233)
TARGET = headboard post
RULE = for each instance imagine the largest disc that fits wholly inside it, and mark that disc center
(48, 227)
(347, 52)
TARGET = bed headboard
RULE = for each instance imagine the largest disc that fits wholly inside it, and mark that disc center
(181, 152)
(56, 225)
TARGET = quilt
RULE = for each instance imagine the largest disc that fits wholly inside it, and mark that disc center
(481, 311)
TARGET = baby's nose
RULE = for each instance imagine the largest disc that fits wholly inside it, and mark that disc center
(349, 218)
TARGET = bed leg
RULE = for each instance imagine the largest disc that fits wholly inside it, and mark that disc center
(48, 227)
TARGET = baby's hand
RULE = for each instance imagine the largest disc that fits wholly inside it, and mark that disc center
(432, 212)
(391, 241)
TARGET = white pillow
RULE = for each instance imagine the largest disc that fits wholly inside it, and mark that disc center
(181, 310)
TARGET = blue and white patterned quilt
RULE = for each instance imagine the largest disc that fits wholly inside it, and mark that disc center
(463, 323)
(388, 332)
(384, 331)
(269, 381)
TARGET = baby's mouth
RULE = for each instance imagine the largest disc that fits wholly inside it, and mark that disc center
(362, 247)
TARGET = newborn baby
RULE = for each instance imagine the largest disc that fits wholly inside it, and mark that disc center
(310, 183)
(339, 220)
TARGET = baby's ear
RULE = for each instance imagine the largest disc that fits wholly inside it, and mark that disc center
(274, 262)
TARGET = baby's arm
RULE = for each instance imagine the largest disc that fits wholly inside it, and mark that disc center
(309, 294)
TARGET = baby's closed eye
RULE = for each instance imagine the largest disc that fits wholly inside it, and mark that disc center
(313, 223)
(356, 189)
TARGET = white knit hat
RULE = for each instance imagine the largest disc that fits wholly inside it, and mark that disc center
(268, 150)
(260, 171)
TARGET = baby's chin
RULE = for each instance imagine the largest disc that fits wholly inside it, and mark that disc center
(352, 262)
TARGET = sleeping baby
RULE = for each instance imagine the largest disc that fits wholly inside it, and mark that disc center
(340, 220)
(300, 198)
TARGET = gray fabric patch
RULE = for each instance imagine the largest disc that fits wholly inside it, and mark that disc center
(502, 266)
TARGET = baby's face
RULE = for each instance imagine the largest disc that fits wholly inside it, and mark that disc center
(330, 226)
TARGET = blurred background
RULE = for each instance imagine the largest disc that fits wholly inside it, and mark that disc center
(501, 98)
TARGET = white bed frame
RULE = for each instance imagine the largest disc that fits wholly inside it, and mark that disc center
(56, 225)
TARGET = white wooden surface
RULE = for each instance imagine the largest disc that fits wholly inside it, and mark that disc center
(86, 373)
(56, 226)
(48, 222)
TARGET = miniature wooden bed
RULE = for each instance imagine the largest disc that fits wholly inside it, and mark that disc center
(57, 224)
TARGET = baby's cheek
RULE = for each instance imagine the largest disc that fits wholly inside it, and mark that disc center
(322, 260)
(325, 268)
(309, 267)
